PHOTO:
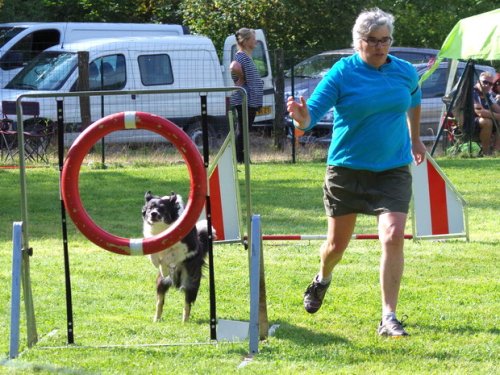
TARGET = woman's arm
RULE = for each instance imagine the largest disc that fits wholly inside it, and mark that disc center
(417, 146)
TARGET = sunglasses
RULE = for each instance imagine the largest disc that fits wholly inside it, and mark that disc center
(486, 83)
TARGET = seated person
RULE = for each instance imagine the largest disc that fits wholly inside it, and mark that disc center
(496, 88)
(487, 113)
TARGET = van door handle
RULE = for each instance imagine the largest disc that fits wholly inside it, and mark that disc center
(133, 96)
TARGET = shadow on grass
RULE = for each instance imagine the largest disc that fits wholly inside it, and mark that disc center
(305, 337)
(485, 243)
(16, 365)
(459, 330)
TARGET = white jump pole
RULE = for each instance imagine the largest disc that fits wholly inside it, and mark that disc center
(15, 302)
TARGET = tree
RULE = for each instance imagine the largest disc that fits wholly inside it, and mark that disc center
(22, 10)
(142, 11)
(426, 23)
(299, 27)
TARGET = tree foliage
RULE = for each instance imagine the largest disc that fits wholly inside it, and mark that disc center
(142, 11)
(299, 27)
(22, 10)
(426, 23)
(294, 25)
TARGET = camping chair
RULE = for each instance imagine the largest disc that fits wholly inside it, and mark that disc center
(8, 139)
(8, 134)
(37, 137)
(37, 132)
(458, 122)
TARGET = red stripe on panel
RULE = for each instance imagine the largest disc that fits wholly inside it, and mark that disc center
(216, 204)
(437, 197)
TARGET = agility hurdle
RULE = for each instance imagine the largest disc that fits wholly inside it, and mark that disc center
(20, 275)
(20, 260)
(128, 246)
(438, 210)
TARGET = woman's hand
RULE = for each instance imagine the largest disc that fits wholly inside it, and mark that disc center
(298, 111)
(418, 150)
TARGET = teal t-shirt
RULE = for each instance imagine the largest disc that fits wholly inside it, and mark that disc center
(370, 130)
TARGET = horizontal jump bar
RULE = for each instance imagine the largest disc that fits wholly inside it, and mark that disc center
(307, 237)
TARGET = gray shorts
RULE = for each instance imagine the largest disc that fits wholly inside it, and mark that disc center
(348, 191)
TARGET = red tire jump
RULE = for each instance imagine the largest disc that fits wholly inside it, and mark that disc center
(133, 120)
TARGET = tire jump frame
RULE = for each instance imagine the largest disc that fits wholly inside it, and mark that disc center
(70, 197)
(133, 246)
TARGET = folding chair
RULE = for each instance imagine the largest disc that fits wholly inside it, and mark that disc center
(459, 120)
(8, 140)
(37, 132)
(37, 137)
(8, 135)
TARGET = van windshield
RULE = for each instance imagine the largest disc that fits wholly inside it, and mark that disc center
(48, 71)
(8, 32)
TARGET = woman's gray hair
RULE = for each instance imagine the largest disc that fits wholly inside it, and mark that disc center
(243, 34)
(368, 21)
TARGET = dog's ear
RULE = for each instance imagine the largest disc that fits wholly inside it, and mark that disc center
(148, 196)
(179, 203)
(173, 197)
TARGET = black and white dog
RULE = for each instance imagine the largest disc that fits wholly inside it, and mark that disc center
(180, 265)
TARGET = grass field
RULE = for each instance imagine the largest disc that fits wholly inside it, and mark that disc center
(450, 291)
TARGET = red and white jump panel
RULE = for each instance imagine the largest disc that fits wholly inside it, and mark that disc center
(439, 211)
(224, 202)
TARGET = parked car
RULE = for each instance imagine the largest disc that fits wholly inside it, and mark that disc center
(309, 72)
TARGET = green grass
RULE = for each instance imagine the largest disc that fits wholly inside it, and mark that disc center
(450, 288)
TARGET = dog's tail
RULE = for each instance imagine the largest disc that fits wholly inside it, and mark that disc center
(202, 228)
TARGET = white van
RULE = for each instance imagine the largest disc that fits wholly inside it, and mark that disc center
(21, 42)
(128, 64)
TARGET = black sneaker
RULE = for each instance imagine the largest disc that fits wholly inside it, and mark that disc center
(314, 294)
(392, 328)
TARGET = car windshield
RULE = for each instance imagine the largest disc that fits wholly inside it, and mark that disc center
(48, 71)
(8, 32)
(316, 66)
(435, 85)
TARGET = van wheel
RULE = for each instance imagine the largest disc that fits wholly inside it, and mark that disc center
(195, 132)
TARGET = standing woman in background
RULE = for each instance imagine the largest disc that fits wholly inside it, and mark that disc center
(245, 74)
